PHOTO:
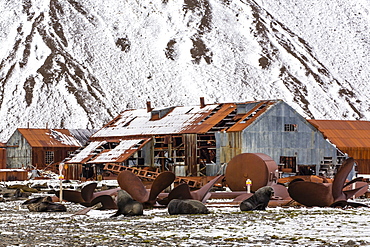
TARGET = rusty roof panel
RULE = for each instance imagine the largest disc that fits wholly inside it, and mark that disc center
(121, 152)
(251, 116)
(87, 153)
(213, 118)
(345, 133)
(49, 138)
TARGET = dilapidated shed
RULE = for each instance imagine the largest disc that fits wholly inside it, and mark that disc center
(351, 137)
(190, 139)
(39, 148)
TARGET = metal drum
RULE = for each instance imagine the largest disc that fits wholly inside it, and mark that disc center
(258, 167)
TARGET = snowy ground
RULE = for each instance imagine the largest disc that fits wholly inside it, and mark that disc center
(225, 226)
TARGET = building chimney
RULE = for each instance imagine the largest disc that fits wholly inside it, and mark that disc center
(202, 104)
(149, 106)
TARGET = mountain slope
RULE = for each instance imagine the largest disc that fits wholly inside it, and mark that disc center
(76, 64)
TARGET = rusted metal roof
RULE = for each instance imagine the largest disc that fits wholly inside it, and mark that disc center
(49, 138)
(182, 120)
(84, 155)
(96, 153)
(121, 152)
(351, 137)
(248, 118)
(345, 133)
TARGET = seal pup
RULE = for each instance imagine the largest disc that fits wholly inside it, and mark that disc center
(187, 206)
(259, 200)
(127, 206)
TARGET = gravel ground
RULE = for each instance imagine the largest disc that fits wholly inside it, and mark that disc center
(225, 226)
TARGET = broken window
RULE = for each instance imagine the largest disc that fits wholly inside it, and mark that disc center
(290, 127)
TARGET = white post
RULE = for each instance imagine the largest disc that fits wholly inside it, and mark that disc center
(61, 177)
(248, 184)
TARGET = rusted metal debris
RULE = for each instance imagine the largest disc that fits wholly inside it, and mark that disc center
(328, 194)
(129, 182)
(88, 198)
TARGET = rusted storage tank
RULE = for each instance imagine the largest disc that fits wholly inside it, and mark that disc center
(260, 168)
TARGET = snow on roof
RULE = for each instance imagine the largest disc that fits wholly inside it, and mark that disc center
(116, 153)
(86, 152)
(63, 138)
(139, 122)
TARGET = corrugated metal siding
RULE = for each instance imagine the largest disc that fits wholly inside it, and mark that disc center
(13, 175)
(267, 135)
(228, 145)
(18, 151)
(191, 159)
(2, 158)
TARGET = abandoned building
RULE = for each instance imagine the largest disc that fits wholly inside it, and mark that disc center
(199, 140)
(40, 148)
(351, 137)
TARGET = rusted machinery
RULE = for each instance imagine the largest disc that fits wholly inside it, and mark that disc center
(329, 194)
(260, 168)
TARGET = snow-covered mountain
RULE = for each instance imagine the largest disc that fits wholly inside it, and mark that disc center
(78, 63)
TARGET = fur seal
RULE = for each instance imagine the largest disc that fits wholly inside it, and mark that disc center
(44, 204)
(187, 206)
(127, 206)
(259, 200)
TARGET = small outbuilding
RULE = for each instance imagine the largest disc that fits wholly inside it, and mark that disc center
(40, 148)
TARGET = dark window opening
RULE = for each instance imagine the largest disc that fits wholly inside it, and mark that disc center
(288, 164)
(290, 127)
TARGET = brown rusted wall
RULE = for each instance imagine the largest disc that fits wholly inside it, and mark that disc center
(362, 157)
(38, 155)
(73, 171)
(190, 144)
(2, 158)
(13, 175)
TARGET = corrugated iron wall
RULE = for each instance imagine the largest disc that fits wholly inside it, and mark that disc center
(2, 158)
(362, 157)
(72, 171)
(13, 175)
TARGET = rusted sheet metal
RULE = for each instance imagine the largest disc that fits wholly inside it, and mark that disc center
(210, 120)
(86, 154)
(190, 142)
(259, 168)
(124, 150)
(13, 175)
(345, 133)
(351, 137)
(2, 156)
(49, 137)
(180, 120)
(251, 116)
(326, 194)
(72, 171)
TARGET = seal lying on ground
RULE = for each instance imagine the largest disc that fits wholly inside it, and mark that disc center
(187, 206)
(44, 204)
(127, 206)
(259, 200)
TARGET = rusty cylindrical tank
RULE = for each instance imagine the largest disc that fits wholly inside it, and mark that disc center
(258, 167)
